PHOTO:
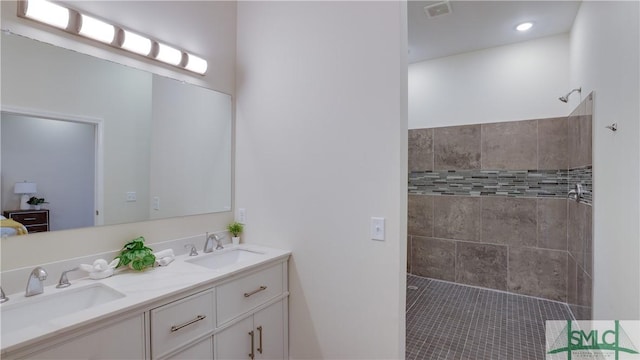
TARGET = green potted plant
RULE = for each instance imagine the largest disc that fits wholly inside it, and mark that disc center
(136, 255)
(235, 228)
(36, 202)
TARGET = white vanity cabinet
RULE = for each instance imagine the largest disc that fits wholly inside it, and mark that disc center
(122, 339)
(242, 314)
(182, 322)
(251, 313)
(198, 351)
(259, 336)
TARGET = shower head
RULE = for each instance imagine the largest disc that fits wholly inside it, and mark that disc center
(565, 98)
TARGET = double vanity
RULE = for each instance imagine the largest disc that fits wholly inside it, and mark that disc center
(227, 304)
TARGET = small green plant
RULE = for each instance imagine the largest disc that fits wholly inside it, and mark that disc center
(36, 201)
(136, 255)
(235, 228)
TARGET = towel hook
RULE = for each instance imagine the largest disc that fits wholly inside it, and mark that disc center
(613, 127)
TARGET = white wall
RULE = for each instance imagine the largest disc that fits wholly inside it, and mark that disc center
(605, 59)
(506, 83)
(321, 148)
(59, 156)
(205, 28)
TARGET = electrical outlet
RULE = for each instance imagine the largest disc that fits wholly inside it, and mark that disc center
(131, 196)
(156, 203)
(242, 215)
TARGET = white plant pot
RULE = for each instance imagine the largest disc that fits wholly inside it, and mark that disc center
(235, 240)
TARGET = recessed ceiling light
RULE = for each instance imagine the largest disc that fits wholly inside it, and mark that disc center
(524, 26)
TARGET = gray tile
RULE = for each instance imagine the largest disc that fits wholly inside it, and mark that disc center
(457, 147)
(409, 242)
(572, 280)
(580, 135)
(510, 145)
(584, 286)
(456, 217)
(552, 224)
(509, 221)
(434, 258)
(452, 321)
(581, 312)
(552, 143)
(420, 215)
(481, 265)
(588, 243)
(538, 272)
(579, 232)
(420, 150)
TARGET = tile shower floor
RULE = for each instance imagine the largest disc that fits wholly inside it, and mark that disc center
(453, 321)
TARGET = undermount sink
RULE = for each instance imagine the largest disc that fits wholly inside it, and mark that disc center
(225, 258)
(45, 307)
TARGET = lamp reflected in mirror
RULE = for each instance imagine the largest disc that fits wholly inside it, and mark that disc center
(25, 189)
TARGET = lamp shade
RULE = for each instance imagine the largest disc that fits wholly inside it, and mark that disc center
(25, 188)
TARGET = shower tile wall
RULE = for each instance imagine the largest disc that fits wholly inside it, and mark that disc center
(580, 215)
(475, 217)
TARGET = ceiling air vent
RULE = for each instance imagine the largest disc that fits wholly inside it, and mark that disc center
(437, 8)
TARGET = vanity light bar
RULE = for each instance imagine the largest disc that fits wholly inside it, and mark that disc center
(96, 29)
(135, 43)
(45, 12)
(76, 23)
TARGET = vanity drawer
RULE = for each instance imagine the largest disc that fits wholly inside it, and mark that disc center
(180, 322)
(239, 296)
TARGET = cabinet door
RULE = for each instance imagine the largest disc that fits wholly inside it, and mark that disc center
(267, 342)
(269, 328)
(122, 340)
(199, 351)
(235, 341)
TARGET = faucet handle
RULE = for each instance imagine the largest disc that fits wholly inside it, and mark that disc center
(219, 239)
(64, 280)
(3, 297)
(193, 251)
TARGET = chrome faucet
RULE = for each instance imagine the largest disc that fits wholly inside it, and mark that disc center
(3, 297)
(64, 280)
(208, 244)
(193, 251)
(35, 284)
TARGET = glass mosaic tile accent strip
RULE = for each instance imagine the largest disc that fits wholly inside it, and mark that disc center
(583, 176)
(512, 183)
(453, 321)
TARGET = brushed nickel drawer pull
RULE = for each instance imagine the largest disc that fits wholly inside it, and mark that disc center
(252, 354)
(30, 219)
(178, 327)
(261, 288)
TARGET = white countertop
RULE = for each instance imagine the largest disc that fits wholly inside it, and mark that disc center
(140, 288)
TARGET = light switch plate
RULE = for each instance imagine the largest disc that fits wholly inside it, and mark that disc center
(131, 196)
(377, 228)
(242, 215)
